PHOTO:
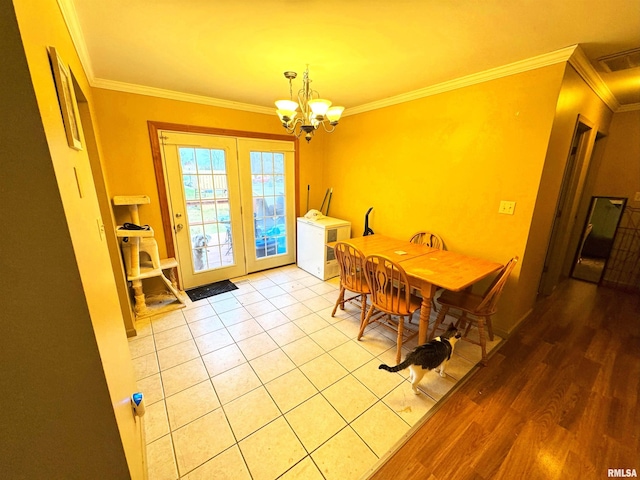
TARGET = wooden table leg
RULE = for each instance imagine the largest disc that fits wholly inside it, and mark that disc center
(427, 290)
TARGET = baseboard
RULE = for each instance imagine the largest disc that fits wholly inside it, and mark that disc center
(504, 334)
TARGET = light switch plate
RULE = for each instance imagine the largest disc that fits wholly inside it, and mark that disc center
(637, 197)
(507, 207)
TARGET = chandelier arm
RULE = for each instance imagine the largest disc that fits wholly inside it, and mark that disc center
(329, 129)
(291, 127)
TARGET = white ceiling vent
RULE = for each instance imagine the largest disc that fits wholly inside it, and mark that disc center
(621, 61)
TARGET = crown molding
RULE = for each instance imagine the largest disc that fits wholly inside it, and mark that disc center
(540, 61)
(75, 31)
(183, 97)
(572, 54)
(630, 107)
(583, 66)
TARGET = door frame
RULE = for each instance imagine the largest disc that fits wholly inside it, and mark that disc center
(571, 191)
(161, 182)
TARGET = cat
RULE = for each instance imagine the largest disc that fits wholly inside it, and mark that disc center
(428, 356)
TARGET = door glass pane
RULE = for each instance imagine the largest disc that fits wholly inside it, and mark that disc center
(204, 179)
(269, 200)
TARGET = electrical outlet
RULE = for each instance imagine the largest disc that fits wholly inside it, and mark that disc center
(506, 207)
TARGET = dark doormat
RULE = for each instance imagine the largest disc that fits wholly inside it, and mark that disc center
(210, 290)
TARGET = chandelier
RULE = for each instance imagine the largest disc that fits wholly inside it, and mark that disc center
(314, 111)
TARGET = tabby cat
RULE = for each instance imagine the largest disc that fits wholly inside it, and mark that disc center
(428, 356)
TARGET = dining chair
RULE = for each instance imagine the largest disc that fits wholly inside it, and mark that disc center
(351, 262)
(391, 295)
(474, 310)
(428, 238)
(432, 240)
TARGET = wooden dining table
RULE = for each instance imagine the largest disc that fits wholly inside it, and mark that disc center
(428, 268)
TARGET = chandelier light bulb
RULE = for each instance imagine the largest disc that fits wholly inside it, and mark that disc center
(319, 106)
(333, 114)
(287, 105)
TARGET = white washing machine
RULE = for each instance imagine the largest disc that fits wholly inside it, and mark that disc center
(313, 254)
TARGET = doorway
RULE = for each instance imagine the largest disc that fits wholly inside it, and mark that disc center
(571, 188)
(597, 237)
(231, 204)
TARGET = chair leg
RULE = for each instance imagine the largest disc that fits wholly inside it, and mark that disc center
(439, 319)
(489, 328)
(365, 322)
(339, 301)
(399, 341)
(363, 310)
(483, 339)
(463, 322)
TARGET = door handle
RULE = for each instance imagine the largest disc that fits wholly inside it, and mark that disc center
(179, 227)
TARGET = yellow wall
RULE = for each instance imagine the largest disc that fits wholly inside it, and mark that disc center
(70, 370)
(445, 162)
(619, 172)
(122, 119)
(576, 98)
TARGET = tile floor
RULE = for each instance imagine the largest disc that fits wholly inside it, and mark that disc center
(262, 383)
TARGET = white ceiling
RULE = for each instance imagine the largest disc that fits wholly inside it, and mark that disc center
(358, 51)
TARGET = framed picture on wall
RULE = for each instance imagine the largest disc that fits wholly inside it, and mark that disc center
(67, 99)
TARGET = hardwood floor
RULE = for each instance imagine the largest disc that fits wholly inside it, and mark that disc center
(557, 401)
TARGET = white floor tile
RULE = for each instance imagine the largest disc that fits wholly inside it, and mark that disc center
(139, 346)
(303, 470)
(199, 313)
(167, 338)
(290, 390)
(381, 428)
(223, 359)
(151, 386)
(329, 337)
(315, 421)
(287, 333)
(263, 383)
(145, 365)
(349, 397)
(190, 404)
(199, 441)
(245, 329)
(303, 350)
(244, 416)
(344, 457)
(272, 450)
(156, 424)
(311, 323)
(409, 406)
(323, 371)
(228, 465)
(257, 345)
(177, 354)
(236, 382)
(351, 355)
(204, 326)
(213, 341)
(160, 460)
(183, 376)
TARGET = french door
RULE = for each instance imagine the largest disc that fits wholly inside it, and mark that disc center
(231, 202)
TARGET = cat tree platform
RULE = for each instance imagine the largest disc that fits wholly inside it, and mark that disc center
(141, 259)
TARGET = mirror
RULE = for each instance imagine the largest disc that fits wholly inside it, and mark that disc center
(597, 238)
